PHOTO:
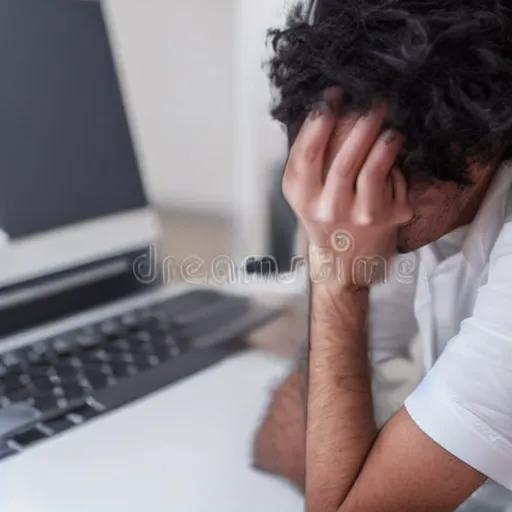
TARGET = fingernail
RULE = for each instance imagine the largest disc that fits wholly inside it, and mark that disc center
(320, 108)
(333, 97)
(390, 136)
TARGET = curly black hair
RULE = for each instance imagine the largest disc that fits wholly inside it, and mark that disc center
(444, 67)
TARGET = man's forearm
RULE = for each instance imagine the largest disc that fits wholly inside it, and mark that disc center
(340, 425)
(279, 444)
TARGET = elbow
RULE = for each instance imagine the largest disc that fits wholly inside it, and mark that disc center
(279, 444)
(318, 499)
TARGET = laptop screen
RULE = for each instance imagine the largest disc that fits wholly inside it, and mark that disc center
(66, 151)
(71, 193)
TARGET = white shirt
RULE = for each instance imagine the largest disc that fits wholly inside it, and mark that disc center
(457, 292)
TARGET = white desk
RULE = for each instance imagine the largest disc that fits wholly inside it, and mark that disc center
(185, 449)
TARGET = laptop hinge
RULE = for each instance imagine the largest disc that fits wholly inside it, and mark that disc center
(27, 305)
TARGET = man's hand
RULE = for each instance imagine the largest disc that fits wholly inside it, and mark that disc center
(342, 182)
(343, 185)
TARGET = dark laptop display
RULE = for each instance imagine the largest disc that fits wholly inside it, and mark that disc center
(63, 128)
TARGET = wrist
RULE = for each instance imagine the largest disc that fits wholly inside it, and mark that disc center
(340, 290)
(345, 271)
(339, 305)
(337, 274)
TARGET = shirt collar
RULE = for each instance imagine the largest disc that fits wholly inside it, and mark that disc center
(482, 233)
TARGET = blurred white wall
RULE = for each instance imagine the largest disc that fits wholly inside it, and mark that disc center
(260, 143)
(199, 100)
(177, 67)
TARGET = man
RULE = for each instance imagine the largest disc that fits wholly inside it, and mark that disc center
(402, 160)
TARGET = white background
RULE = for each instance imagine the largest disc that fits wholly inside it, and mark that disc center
(199, 102)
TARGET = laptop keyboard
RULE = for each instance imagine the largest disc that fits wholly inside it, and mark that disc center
(64, 381)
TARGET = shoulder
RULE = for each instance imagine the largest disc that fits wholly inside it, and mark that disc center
(500, 258)
(465, 400)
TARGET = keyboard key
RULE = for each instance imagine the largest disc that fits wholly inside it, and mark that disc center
(12, 362)
(11, 359)
(137, 347)
(142, 363)
(12, 382)
(93, 366)
(63, 346)
(144, 313)
(30, 436)
(129, 319)
(111, 327)
(59, 424)
(163, 353)
(66, 371)
(176, 346)
(153, 360)
(191, 301)
(119, 369)
(41, 365)
(25, 379)
(58, 392)
(36, 353)
(156, 324)
(43, 383)
(204, 324)
(111, 380)
(132, 370)
(4, 402)
(16, 417)
(101, 355)
(89, 340)
(83, 382)
(127, 358)
(97, 380)
(142, 337)
(197, 315)
(62, 403)
(85, 412)
(18, 395)
(75, 419)
(45, 403)
(95, 359)
(117, 346)
(160, 338)
(72, 392)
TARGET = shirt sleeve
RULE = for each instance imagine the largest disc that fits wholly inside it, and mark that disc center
(465, 402)
(392, 327)
(392, 324)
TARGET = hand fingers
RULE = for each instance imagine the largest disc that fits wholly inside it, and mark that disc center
(341, 179)
(340, 134)
(304, 170)
(403, 209)
(374, 191)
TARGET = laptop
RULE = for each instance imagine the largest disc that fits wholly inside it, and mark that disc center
(87, 323)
